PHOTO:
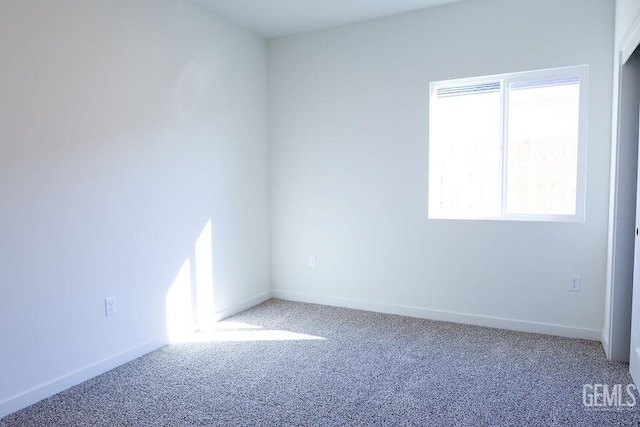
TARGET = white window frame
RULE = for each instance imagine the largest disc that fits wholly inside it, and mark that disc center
(580, 71)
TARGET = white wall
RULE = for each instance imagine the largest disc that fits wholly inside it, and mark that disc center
(125, 126)
(626, 14)
(348, 135)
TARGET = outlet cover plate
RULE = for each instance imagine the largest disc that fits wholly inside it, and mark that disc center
(110, 308)
(575, 283)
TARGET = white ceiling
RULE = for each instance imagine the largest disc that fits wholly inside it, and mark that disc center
(277, 18)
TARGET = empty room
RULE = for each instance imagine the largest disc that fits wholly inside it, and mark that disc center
(319, 212)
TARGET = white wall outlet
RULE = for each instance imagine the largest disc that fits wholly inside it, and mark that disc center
(575, 283)
(312, 261)
(110, 306)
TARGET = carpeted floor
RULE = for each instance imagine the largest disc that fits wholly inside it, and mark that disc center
(284, 363)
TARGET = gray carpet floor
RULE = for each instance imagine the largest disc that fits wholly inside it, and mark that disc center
(368, 369)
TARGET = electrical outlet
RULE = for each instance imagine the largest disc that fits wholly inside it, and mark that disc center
(110, 306)
(575, 283)
(312, 261)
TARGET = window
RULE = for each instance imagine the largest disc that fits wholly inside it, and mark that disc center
(509, 146)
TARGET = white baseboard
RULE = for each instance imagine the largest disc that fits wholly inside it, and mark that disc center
(35, 394)
(447, 316)
(31, 396)
(245, 305)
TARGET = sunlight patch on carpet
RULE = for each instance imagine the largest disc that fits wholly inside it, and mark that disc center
(238, 332)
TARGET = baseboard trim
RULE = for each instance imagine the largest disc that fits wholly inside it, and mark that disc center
(245, 305)
(442, 315)
(36, 394)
